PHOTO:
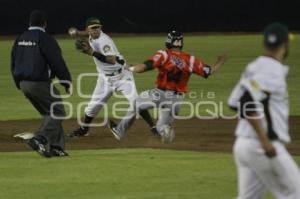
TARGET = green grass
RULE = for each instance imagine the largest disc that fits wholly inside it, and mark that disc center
(241, 49)
(119, 174)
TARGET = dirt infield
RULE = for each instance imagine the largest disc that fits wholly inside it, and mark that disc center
(194, 134)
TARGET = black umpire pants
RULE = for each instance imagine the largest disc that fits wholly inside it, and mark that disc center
(38, 93)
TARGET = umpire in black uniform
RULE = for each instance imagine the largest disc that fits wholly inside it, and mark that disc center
(35, 60)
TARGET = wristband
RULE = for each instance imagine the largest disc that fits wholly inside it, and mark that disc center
(99, 56)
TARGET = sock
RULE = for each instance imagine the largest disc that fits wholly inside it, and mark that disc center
(147, 117)
(87, 121)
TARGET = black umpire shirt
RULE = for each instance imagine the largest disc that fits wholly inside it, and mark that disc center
(36, 56)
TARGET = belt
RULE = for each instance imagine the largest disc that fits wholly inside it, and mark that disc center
(117, 72)
(175, 92)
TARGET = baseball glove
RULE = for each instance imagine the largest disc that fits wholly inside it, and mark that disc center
(82, 45)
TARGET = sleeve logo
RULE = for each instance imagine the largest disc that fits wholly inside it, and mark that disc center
(106, 48)
(254, 84)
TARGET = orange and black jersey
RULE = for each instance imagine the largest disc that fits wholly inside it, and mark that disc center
(175, 69)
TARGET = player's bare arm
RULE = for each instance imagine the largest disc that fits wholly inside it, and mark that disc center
(74, 32)
(220, 61)
(140, 68)
(111, 59)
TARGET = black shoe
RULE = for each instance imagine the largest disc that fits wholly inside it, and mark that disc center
(154, 131)
(112, 127)
(80, 132)
(40, 147)
(58, 152)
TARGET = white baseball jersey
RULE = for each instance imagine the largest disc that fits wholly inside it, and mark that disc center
(265, 80)
(105, 45)
(107, 84)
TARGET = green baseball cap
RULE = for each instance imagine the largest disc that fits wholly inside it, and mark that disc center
(275, 35)
(92, 22)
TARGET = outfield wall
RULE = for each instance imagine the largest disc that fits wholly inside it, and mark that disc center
(152, 15)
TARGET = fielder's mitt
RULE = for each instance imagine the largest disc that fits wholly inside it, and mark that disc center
(82, 45)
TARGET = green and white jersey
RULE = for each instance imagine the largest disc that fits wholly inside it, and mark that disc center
(105, 45)
(264, 80)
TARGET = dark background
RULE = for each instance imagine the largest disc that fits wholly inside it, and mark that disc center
(136, 16)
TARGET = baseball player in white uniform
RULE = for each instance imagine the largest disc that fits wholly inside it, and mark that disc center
(112, 74)
(261, 97)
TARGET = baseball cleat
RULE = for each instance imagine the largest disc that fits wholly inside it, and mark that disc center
(167, 134)
(58, 152)
(39, 147)
(154, 131)
(80, 132)
(112, 127)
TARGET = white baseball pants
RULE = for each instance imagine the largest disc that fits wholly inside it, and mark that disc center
(105, 88)
(258, 173)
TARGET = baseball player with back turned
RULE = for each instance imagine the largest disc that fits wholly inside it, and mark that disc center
(260, 96)
(175, 68)
(112, 74)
